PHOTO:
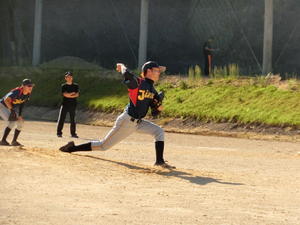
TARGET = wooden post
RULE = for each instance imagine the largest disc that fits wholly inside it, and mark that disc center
(143, 32)
(37, 35)
(268, 37)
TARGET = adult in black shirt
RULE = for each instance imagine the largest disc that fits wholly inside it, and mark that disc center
(208, 55)
(70, 92)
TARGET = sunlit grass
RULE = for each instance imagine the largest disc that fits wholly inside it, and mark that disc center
(230, 99)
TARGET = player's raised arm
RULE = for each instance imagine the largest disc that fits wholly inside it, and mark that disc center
(130, 80)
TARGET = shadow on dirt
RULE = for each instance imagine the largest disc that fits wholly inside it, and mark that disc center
(177, 173)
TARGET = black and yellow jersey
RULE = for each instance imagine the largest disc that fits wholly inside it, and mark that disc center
(141, 95)
(17, 98)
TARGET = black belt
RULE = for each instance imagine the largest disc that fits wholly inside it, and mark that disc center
(135, 120)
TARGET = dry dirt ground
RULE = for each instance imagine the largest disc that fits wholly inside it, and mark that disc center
(218, 180)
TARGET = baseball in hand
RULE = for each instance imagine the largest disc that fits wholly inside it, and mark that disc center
(119, 67)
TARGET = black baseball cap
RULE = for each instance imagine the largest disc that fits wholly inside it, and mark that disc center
(68, 74)
(27, 82)
(152, 64)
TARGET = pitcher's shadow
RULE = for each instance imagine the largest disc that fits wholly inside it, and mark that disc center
(170, 173)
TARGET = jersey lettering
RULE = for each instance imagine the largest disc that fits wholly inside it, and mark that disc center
(18, 101)
(145, 94)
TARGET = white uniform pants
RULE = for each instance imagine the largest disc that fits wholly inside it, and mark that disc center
(123, 127)
(4, 114)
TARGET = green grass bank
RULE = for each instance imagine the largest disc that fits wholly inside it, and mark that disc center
(240, 100)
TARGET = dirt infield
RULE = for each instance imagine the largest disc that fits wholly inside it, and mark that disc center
(218, 180)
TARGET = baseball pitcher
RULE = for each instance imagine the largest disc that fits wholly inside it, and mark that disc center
(142, 97)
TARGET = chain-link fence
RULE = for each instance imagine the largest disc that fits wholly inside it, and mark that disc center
(107, 31)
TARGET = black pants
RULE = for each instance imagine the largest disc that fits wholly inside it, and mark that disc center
(207, 64)
(71, 109)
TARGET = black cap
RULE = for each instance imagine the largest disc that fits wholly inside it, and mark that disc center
(152, 64)
(27, 82)
(68, 74)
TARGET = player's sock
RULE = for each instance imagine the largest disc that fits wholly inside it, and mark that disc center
(82, 147)
(16, 135)
(6, 133)
(159, 147)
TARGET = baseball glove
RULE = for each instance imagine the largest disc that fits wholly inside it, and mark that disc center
(13, 116)
(157, 102)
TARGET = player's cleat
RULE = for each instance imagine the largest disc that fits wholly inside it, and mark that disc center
(59, 135)
(75, 136)
(164, 165)
(4, 142)
(15, 143)
(68, 147)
